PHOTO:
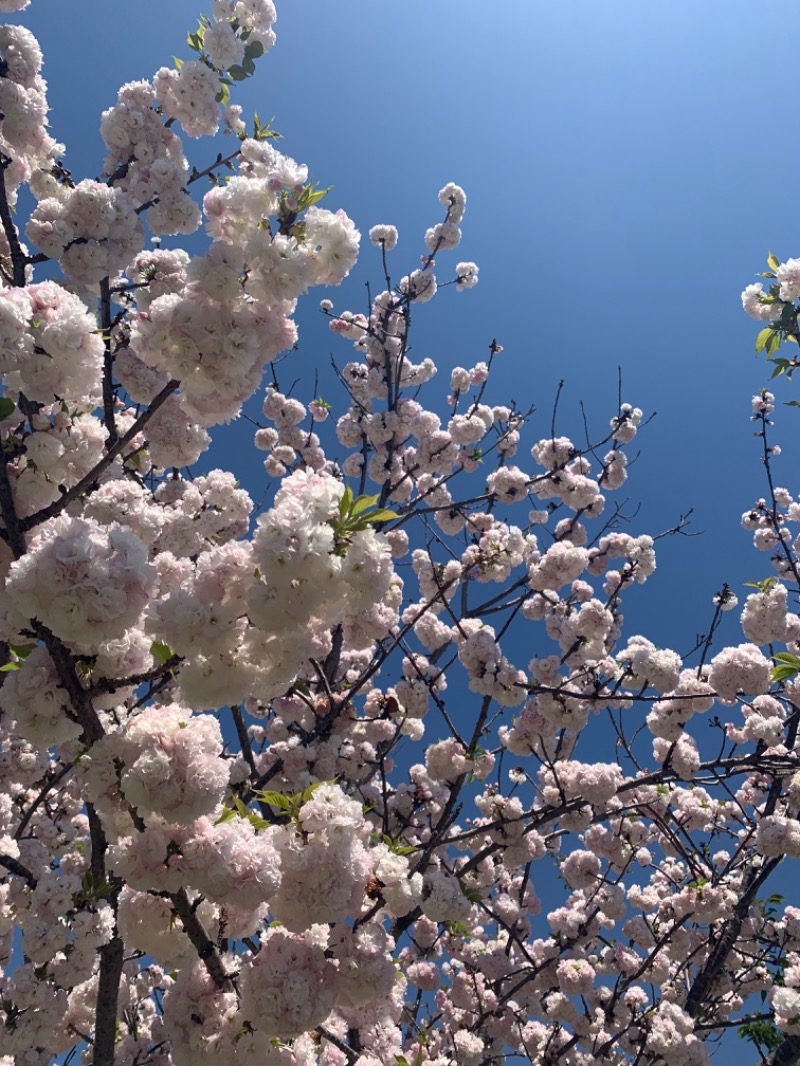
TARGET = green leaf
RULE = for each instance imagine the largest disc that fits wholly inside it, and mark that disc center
(258, 822)
(22, 651)
(761, 1033)
(9, 667)
(346, 501)
(237, 73)
(178, 62)
(787, 665)
(224, 94)
(397, 848)
(7, 407)
(472, 892)
(308, 793)
(226, 816)
(162, 653)
(380, 514)
(762, 586)
(782, 673)
(762, 338)
(275, 799)
(91, 890)
(362, 503)
(253, 50)
(310, 196)
(792, 403)
(773, 262)
(774, 341)
(248, 66)
(788, 658)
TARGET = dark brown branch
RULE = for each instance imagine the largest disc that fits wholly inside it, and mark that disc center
(201, 941)
(43, 793)
(8, 511)
(108, 364)
(14, 866)
(111, 954)
(787, 1053)
(18, 258)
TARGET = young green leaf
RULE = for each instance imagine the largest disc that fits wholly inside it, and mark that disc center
(762, 338)
(275, 799)
(22, 651)
(162, 653)
(774, 341)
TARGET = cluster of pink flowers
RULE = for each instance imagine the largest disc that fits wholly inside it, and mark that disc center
(93, 230)
(50, 345)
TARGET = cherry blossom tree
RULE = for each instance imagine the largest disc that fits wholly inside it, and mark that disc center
(283, 784)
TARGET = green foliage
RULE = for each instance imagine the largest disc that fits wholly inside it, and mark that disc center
(161, 652)
(762, 586)
(261, 132)
(21, 653)
(768, 908)
(195, 40)
(7, 407)
(310, 196)
(763, 1034)
(91, 890)
(471, 892)
(459, 929)
(397, 848)
(288, 805)
(356, 513)
(783, 366)
(786, 666)
(768, 340)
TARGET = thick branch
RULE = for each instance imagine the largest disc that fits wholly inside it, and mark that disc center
(83, 709)
(111, 955)
(8, 511)
(201, 941)
(111, 959)
(730, 933)
(18, 258)
(108, 364)
(14, 866)
(786, 1054)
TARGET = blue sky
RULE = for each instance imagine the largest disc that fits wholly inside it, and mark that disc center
(626, 174)
(628, 165)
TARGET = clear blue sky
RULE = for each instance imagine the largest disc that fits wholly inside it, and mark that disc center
(626, 174)
(627, 164)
